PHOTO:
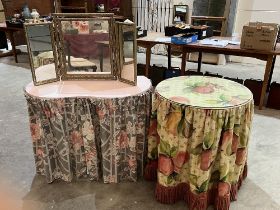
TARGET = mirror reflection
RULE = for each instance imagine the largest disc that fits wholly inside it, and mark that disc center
(40, 48)
(181, 13)
(87, 46)
(127, 34)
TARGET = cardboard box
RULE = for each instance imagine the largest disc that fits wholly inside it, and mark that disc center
(259, 36)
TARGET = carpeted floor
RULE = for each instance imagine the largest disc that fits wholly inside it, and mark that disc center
(20, 186)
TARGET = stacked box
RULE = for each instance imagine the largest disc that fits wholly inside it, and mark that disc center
(259, 36)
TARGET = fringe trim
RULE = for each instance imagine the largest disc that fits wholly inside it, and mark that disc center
(170, 195)
(233, 192)
(223, 203)
(198, 201)
(151, 170)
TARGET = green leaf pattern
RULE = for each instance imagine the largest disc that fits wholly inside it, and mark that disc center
(199, 130)
(214, 93)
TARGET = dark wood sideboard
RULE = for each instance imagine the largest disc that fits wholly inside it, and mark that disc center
(11, 7)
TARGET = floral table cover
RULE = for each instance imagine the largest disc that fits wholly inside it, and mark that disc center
(197, 141)
(90, 138)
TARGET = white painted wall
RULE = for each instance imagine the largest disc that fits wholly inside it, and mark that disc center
(256, 10)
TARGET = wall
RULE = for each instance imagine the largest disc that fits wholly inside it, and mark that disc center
(255, 10)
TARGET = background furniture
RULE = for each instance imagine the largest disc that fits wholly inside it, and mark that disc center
(43, 7)
(10, 32)
(102, 46)
(119, 8)
(219, 29)
(89, 129)
(3, 38)
(11, 7)
(218, 23)
(215, 13)
(219, 14)
(181, 12)
(152, 39)
(71, 6)
(85, 45)
(78, 63)
(198, 140)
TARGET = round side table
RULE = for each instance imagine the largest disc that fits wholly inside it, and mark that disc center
(198, 140)
(94, 130)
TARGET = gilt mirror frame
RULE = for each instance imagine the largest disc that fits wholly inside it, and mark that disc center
(30, 52)
(120, 40)
(186, 15)
(59, 40)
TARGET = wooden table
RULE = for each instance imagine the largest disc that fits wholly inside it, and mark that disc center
(151, 40)
(10, 32)
(101, 45)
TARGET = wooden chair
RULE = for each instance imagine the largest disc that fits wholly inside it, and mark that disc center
(79, 64)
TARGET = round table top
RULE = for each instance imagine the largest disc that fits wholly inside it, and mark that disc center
(204, 92)
(93, 89)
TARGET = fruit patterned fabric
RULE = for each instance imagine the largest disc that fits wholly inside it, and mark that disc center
(204, 92)
(197, 141)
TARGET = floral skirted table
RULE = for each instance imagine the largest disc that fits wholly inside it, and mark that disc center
(94, 130)
(197, 141)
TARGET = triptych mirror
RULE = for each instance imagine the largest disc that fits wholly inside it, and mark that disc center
(42, 54)
(127, 52)
(81, 47)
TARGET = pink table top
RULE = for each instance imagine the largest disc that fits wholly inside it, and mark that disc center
(95, 89)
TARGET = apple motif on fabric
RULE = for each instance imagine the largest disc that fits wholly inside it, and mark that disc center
(179, 160)
(205, 160)
(204, 89)
(165, 165)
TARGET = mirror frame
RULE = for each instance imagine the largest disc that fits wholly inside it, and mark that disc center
(119, 30)
(187, 13)
(50, 25)
(61, 61)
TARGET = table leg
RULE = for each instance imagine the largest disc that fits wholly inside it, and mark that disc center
(269, 63)
(199, 61)
(184, 60)
(11, 35)
(148, 60)
(271, 73)
(169, 56)
(101, 58)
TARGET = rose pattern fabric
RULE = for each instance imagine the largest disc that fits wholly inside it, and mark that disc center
(204, 149)
(90, 138)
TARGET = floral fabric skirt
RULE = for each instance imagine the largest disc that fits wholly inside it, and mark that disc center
(96, 139)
